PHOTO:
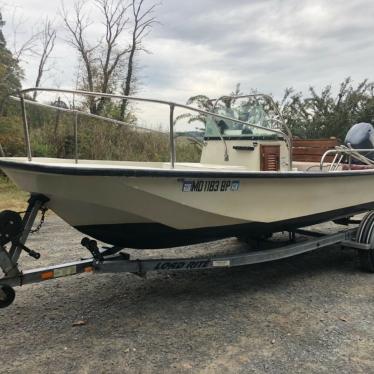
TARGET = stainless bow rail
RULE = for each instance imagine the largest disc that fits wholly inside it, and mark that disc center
(172, 105)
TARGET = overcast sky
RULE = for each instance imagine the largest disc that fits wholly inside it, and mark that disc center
(207, 46)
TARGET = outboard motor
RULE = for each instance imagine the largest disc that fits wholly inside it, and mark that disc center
(361, 136)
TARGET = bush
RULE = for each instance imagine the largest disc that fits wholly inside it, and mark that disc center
(52, 135)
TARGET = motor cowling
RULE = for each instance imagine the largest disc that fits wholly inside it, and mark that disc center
(361, 136)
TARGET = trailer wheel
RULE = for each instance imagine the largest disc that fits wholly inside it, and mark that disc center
(365, 234)
(7, 295)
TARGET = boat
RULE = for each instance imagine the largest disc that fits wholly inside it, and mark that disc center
(253, 180)
(246, 184)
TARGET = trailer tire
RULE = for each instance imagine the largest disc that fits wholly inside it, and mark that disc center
(7, 295)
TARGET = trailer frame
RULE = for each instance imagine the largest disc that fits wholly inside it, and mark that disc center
(112, 260)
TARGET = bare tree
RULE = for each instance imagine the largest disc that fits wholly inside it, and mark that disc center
(21, 47)
(26, 44)
(143, 20)
(101, 59)
(77, 28)
(48, 38)
(115, 20)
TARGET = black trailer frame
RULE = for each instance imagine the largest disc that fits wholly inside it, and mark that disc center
(360, 237)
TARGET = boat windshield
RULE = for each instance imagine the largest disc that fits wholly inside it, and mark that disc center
(251, 113)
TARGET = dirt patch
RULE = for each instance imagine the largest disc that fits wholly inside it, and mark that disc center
(11, 196)
(311, 313)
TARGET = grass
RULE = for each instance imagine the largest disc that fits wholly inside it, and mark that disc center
(11, 197)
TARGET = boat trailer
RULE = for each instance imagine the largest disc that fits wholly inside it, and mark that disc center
(15, 230)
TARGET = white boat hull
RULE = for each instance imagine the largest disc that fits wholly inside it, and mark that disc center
(153, 207)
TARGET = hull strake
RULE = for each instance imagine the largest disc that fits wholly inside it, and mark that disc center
(155, 235)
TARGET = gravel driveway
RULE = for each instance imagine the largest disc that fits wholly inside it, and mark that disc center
(308, 314)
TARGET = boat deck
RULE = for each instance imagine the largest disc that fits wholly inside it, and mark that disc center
(109, 164)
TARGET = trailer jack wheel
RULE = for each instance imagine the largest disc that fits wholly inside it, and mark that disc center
(365, 235)
(7, 295)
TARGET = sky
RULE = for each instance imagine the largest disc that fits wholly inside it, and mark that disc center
(208, 46)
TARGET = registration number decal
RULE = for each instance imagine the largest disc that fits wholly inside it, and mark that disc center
(210, 185)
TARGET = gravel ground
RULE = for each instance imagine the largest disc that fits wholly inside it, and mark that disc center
(311, 313)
